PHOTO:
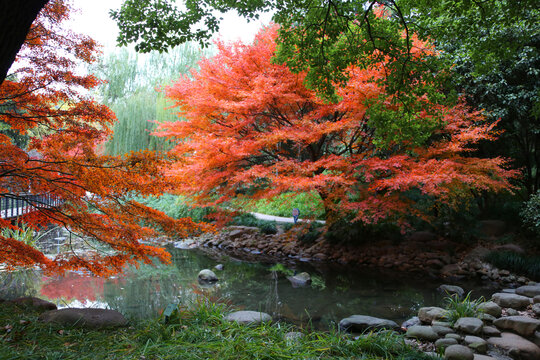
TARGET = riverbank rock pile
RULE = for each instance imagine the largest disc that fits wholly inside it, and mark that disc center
(507, 326)
(420, 252)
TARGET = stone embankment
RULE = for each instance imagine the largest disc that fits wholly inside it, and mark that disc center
(421, 251)
(506, 327)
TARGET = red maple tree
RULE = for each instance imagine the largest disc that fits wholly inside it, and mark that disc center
(252, 129)
(47, 101)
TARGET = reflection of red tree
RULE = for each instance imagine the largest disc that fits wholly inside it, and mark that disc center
(74, 286)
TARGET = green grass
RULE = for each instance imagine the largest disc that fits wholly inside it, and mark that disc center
(197, 333)
(309, 204)
(458, 308)
(520, 264)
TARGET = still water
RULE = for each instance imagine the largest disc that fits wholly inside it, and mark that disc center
(335, 292)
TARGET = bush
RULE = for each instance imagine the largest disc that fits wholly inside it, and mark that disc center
(347, 232)
(520, 264)
(267, 227)
(313, 233)
(530, 214)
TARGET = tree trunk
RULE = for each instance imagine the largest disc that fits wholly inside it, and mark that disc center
(16, 16)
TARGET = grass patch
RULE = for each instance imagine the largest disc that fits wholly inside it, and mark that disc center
(197, 333)
(458, 308)
(309, 204)
(520, 264)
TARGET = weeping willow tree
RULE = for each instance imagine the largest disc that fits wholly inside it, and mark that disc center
(130, 91)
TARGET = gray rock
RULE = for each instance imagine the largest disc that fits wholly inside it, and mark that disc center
(491, 308)
(512, 312)
(219, 267)
(536, 309)
(442, 330)
(508, 291)
(360, 323)
(536, 338)
(458, 352)
(428, 314)
(469, 325)
(411, 322)
(422, 332)
(86, 318)
(441, 323)
(299, 280)
(486, 317)
(453, 336)
(528, 290)
(451, 290)
(37, 303)
(442, 344)
(207, 276)
(490, 331)
(476, 343)
(536, 299)
(483, 357)
(248, 317)
(511, 300)
(292, 337)
(523, 325)
(516, 346)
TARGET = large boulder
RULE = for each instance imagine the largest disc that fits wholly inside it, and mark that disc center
(458, 352)
(451, 290)
(422, 332)
(36, 303)
(469, 325)
(85, 318)
(513, 301)
(523, 325)
(490, 308)
(360, 323)
(528, 290)
(430, 313)
(300, 280)
(516, 346)
(207, 276)
(248, 317)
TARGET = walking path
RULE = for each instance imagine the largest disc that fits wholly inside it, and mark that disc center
(279, 218)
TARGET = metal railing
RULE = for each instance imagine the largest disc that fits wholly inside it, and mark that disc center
(15, 205)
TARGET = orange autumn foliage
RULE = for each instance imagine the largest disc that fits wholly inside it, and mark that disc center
(47, 100)
(251, 128)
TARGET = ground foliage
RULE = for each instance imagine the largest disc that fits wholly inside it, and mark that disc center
(197, 333)
(254, 130)
(46, 100)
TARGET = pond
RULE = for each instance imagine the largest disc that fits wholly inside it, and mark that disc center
(336, 291)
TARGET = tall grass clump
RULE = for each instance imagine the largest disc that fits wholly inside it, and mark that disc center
(518, 263)
(458, 308)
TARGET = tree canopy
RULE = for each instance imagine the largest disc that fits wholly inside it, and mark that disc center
(253, 129)
(46, 100)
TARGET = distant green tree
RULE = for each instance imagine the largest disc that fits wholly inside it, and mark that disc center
(131, 92)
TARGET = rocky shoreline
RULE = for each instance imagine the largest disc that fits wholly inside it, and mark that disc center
(420, 252)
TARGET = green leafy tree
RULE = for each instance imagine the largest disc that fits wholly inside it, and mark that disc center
(131, 92)
(494, 48)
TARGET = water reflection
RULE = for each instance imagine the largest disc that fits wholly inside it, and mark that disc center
(145, 291)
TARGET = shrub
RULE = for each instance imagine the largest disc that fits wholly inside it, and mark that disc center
(530, 214)
(520, 264)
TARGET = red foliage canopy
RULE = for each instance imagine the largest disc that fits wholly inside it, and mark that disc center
(46, 100)
(251, 127)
